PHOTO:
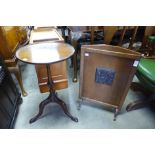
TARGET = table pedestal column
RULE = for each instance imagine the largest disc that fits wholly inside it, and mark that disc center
(52, 98)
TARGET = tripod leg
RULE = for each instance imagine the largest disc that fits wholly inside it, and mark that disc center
(65, 109)
(53, 97)
(41, 108)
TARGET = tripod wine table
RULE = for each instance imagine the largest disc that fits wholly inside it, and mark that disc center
(47, 53)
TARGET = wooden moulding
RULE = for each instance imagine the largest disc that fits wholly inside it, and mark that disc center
(112, 51)
(119, 59)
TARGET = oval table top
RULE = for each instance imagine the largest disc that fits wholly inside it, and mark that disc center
(44, 53)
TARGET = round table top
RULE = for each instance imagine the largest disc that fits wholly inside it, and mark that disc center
(44, 53)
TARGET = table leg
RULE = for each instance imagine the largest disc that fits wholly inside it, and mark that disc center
(52, 98)
(75, 67)
(64, 107)
(115, 114)
(41, 108)
(75, 44)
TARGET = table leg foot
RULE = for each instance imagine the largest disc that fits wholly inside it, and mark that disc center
(33, 119)
(74, 119)
(41, 108)
(24, 93)
(74, 79)
(116, 113)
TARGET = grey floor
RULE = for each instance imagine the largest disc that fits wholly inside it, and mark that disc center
(90, 117)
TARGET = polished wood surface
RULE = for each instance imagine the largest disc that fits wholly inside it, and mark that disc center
(9, 42)
(11, 38)
(111, 57)
(45, 53)
(45, 35)
(44, 27)
(22, 34)
(113, 51)
(58, 70)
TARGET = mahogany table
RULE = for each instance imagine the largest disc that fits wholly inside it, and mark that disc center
(47, 53)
